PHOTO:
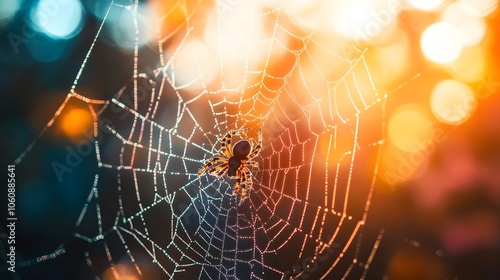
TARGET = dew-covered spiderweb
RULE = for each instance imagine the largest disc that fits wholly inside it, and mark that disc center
(214, 67)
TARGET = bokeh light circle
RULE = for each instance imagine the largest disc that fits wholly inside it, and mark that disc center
(122, 29)
(46, 49)
(8, 9)
(57, 19)
(470, 66)
(483, 7)
(194, 52)
(75, 122)
(452, 102)
(441, 42)
(469, 24)
(410, 129)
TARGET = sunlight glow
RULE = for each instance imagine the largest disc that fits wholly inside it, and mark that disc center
(239, 42)
(349, 16)
(364, 20)
(231, 34)
(426, 5)
(410, 128)
(304, 12)
(194, 64)
(452, 102)
(441, 42)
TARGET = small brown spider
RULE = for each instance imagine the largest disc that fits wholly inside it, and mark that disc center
(235, 162)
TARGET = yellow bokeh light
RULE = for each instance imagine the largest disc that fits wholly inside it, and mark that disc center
(483, 7)
(410, 129)
(452, 102)
(76, 122)
(441, 42)
(470, 66)
(469, 24)
(426, 5)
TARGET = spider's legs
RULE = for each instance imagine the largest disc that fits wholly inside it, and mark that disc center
(252, 163)
(226, 142)
(219, 170)
(255, 151)
(237, 185)
(212, 162)
(247, 183)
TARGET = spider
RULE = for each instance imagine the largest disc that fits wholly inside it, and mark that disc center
(235, 162)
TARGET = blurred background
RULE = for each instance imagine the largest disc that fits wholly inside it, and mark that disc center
(438, 187)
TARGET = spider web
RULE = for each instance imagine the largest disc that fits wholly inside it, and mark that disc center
(322, 122)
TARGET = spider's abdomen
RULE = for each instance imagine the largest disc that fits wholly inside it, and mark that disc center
(241, 149)
(234, 164)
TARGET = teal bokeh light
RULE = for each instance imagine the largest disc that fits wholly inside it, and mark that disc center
(59, 19)
(121, 30)
(46, 49)
(8, 10)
